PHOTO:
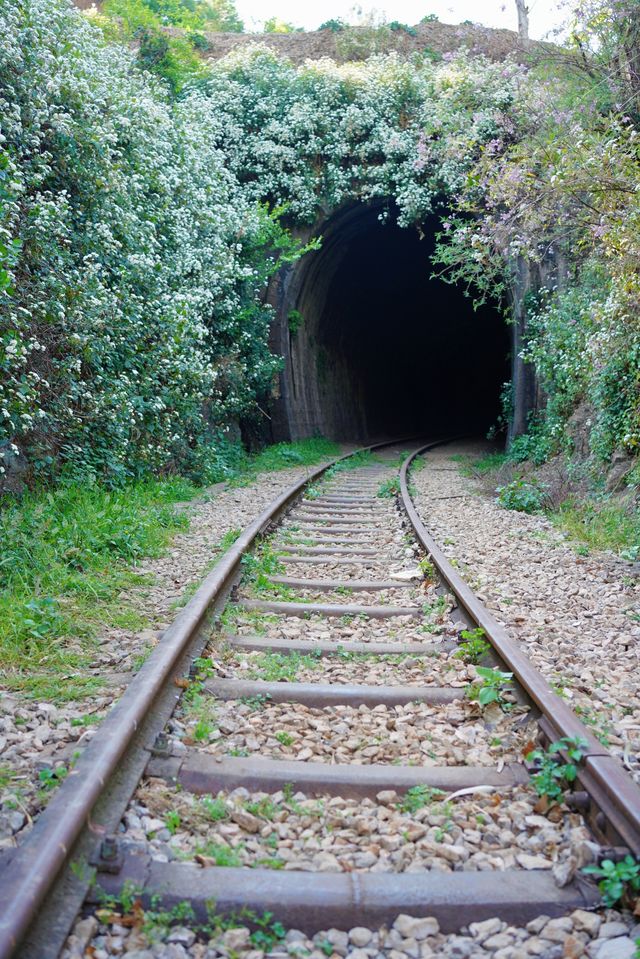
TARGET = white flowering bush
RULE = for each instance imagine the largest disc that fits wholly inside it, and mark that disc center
(141, 230)
(314, 136)
(138, 228)
(131, 325)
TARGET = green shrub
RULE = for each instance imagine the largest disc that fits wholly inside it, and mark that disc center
(334, 25)
(398, 27)
(521, 496)
(553, 774)
(141, 332)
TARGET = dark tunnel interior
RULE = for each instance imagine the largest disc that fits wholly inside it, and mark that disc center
(405, 351)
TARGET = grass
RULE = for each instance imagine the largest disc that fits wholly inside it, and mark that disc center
(221, 854)
(263, 808)
(214, 809)
(602, 524)
(351, 463)
(281, 667)
(200, 712)
(66, 557)
(389, 488)
(68, 560)
(58, 686)
(281, 456)
(11, 779)
(473, 466)
(234, 615)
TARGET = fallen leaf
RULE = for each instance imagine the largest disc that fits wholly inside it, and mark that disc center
(542, 805)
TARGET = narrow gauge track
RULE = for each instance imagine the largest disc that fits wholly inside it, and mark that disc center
(329, 782)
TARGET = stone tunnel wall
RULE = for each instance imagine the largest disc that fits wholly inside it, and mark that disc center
(321, 390)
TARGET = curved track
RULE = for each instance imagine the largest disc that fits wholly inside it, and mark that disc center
(332, 674)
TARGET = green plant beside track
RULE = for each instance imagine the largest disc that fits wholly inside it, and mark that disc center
(68, 558)
(598, 522)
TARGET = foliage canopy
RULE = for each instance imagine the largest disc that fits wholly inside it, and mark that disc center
(142, 198)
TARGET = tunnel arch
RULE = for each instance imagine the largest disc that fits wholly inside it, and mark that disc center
(380, 348)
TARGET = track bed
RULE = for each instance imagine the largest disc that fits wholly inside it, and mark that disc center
(329, 768)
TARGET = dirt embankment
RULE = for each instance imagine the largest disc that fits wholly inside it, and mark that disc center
(355, 43)
(359, 43)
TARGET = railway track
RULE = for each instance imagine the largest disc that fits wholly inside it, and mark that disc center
(308, 716)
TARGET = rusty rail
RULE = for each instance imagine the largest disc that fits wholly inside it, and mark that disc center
(73, 815)
(614, 811)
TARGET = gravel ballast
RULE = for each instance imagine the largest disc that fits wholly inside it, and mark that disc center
(484, 828)
(575, 616)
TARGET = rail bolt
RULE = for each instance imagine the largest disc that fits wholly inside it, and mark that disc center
(579, 801)
(110, 856)
(161, 747)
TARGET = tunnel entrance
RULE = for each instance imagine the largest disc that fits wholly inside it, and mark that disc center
(380, 349)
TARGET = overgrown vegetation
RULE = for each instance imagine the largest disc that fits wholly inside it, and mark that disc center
(473, 646)
(68, 561)
(140, 332)
(493, 686)
(554, 774)
(619, 882)
(560, 189)
(132, 354)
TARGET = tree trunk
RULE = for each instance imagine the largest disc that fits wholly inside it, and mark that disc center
(523, 19)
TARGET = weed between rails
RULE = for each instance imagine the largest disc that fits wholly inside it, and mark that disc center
(155, 923)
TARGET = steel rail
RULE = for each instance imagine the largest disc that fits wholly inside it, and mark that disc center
(615, 797)
(33, 868)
